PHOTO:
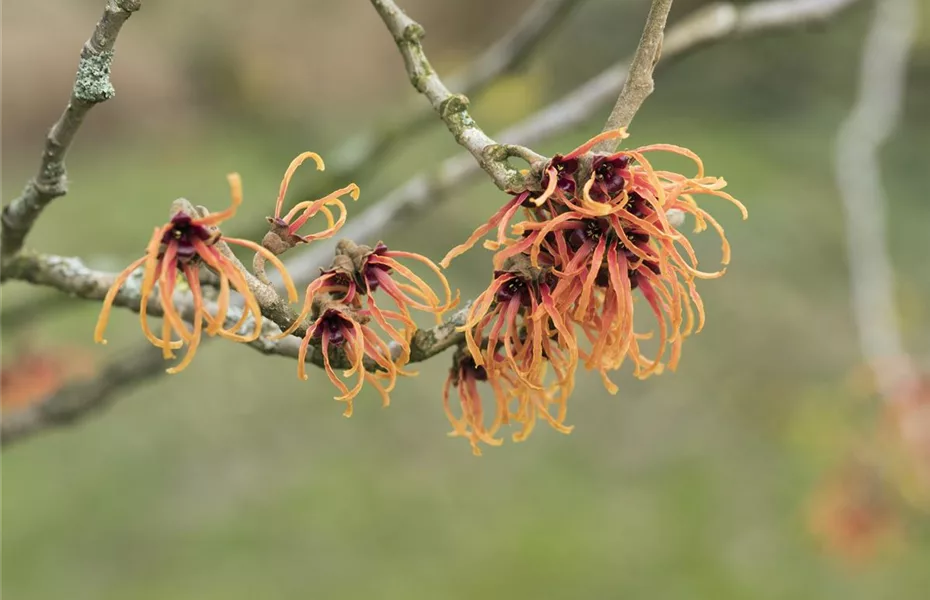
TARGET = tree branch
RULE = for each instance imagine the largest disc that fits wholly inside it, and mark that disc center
(872, 120)
(451, 108)
(91, 86)
(639, 84)
(705, 26)
(502, 57)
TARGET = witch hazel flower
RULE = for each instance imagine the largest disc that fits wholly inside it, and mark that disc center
(467, 414)
(612, 236)
(360, 271)
(599, 229)
(184, 245)
(517, 317)
(343, 330)
(284, 233)
(511, 402)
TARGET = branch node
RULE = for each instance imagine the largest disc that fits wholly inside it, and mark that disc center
(451, 108)
(129, 6)
(51, 182)
(454, 104)
(413, 33)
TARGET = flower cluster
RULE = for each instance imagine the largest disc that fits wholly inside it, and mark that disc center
(342, 308)
(340, 312)
(192, 241)
(562, 291)
(284, 230)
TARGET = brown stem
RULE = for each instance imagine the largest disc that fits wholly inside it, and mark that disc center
(639, 84)
(451, 108)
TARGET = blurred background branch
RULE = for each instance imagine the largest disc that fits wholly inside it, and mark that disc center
(875, 116)
(882, 84)
(79, 400)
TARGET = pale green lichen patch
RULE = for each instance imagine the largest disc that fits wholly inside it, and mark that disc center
(92, 83)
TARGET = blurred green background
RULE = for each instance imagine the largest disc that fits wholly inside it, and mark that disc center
(236, 480)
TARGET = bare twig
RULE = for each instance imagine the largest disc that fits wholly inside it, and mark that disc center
(788, 13)
(502, 57)
(639, 84)
(70, 275)
(873, 119)
(452, 108)
(91, 86)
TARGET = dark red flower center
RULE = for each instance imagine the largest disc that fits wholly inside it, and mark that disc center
(335, 324)
(470, 370)
(182, 234)
(370, 271)
(603, 275)
(589, 230)
(515, 288)
(608, 177)
(565, 180)
(637, 205)
(564, 165)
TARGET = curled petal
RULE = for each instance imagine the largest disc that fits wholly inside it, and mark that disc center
(282, 191)
(675, 150)
(508, 209)
(235, 191)
(614, 134)
(550, 188)
(270, 257)
(111, 296)
(166, 285)
(190, 273)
